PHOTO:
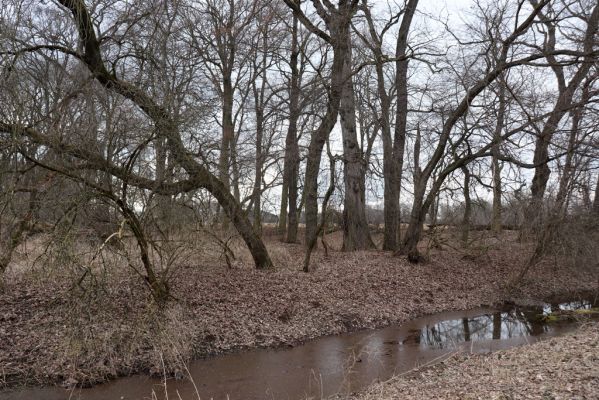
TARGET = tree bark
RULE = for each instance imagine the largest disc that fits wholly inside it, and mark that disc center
(323, 218)
(228, 130)
(257, 193)
(496, 218)
(393, 148)
(467, 206)
(401, 117)
(356, 234)
(338, 24)
(291, 164)
(596, 199)
(282, 225)
(496, 326)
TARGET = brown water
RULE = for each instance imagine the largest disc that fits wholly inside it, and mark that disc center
(335, 364)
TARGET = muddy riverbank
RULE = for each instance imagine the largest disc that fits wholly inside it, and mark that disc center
(341, 364)
(54, 333)
(559, 368)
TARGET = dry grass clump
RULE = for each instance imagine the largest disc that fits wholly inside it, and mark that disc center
(97, 319)
(574, 240)
(560, 368)
(104, 337)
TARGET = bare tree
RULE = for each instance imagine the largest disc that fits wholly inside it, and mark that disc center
(165, 126)
(563, 102)
(356, 235)
(393, 147)
(337, 20)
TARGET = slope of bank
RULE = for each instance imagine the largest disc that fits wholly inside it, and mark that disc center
(54, 331)
(565, 367)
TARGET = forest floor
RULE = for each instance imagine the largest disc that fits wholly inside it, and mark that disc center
(63, 328)
(565, 367)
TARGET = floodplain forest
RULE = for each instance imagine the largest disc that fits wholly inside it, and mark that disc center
(253, 173)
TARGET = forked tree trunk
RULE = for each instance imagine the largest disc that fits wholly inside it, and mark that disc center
(415, 226)
(393, 215)
(319, 137)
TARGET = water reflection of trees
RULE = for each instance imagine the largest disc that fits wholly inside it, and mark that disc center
(514, 323)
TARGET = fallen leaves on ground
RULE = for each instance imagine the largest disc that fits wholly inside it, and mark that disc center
(47, 335)
(565, 367)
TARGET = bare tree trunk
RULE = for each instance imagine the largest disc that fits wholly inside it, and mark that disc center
(391, 189)
(401, 118)
(568, 172)
(393, 148)
(337, 19)
(282, 226)
(496, 218)
(228, 131)
(569, 167)
(311, 244)
(466, 328)
(257, 193)
(467, 206)
(293, 220)
(596, 199)
(235, 173)
(291, 164)
(259, 104)
(319, 137)
(356, 235)
(415, 226)
(228, 134)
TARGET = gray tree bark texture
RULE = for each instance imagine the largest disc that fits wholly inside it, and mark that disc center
(356, 234)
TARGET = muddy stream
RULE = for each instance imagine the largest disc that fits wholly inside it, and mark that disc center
(334, 364)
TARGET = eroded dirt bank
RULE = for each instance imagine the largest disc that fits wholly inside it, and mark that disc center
(52, 332)
(565, 367)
